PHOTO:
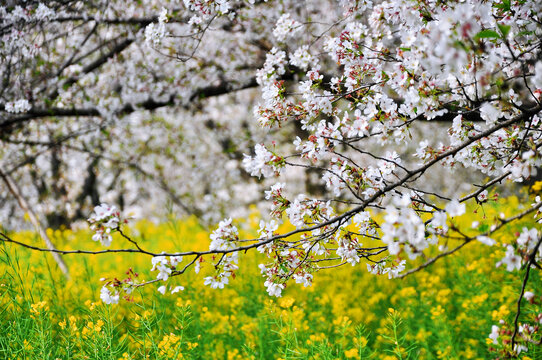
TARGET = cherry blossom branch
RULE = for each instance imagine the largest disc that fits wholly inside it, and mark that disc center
(485, 186)
(131, 240)
(348, 214)
(224, 87)
(469, 239)
(332, 266)
(7, 239)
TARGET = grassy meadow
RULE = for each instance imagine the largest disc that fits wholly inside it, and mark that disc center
(443, 312)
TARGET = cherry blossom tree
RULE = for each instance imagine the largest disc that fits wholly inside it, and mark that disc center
(374, 99)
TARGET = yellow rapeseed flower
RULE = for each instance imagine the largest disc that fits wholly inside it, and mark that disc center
(437, 312)
(37, 307)
(362, 340)
(98, 326)
(85, 331)
(443, 295)
(501, 313)
(444, 354)
(468, 353)
(479, 298)
(316, 337)
(90, 305)
(26, 345)
(125, 356)
(286, 302)
(168, 344)
(537, 186)
(389, 357)
(73, 323)
(352, 353)
(422, 335)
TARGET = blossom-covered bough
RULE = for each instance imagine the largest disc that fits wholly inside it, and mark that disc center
(378, 100)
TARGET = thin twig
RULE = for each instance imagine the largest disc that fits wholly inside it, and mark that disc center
(531, 261)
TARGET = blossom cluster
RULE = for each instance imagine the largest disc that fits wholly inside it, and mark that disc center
(154, 33)
(105, 220)
(520, 253)
(263, 163)
(223, 240)
(279, 202)
(404, 229)
(19, 106)
(113, 289)
(304, 211)
(285, 262)
(390, 267)
(208, 7)
(286, 27)
(165, 266)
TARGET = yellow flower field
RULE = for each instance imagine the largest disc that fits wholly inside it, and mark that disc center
(443, 312)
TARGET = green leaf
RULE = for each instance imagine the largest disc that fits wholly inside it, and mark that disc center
(505, 29)
(505, 5)
(487, 34)
(525, 33)
(483, 228)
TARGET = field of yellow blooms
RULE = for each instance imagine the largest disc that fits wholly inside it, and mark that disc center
(443, 312)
